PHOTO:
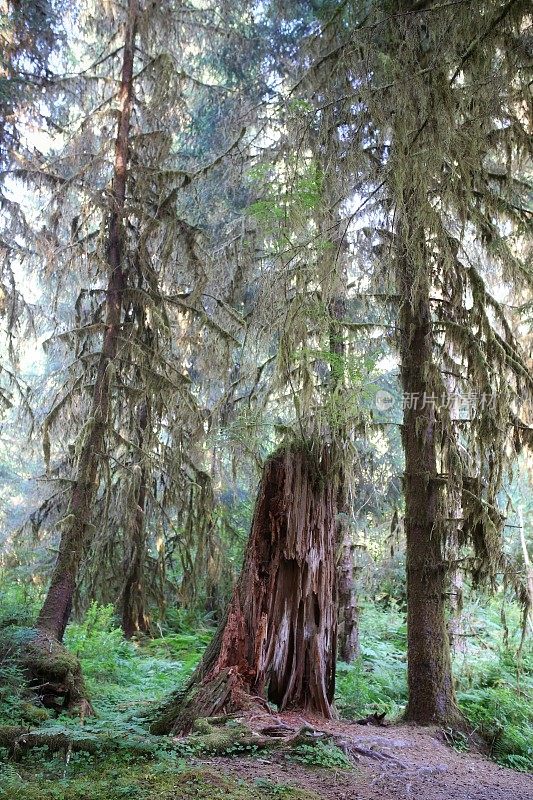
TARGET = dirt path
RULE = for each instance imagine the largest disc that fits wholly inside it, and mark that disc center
(391, 763)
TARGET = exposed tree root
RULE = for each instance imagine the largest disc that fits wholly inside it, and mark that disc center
(203, 700)
(222, 735)
(377, 755)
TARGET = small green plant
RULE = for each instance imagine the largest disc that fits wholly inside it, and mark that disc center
(376, 681)
(19, 601)
(99, 643)
(457, 739)
(320, 754)
(272, 789)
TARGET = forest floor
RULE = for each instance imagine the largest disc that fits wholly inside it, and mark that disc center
(392, 761)
(127, 680)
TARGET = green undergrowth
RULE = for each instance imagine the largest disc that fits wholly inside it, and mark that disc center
(90, 779)
(125, 678)
(376, 682)
(494, 686)
(321, 754)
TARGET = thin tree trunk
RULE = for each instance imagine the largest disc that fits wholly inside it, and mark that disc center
(57, 606)
(195, 588)
(529, 574)
(348, 608)
(336, 270)
(431, 694)
(134, 617)
(278, 639)
(456, 627)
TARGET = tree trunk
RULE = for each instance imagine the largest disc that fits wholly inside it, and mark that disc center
(348, 608)
(57, 606)
(431, 695)
(430, 687)
(529, 576)
(454, 495)
(134, 618)
(195, 585)
(278, 639)
(455, 626)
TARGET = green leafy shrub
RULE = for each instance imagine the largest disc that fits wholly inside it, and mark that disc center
(20, 602)
(376, 682)
(100, 645)
(319, 754)
(494, 687)
(505, 719)
(184, 620)
(123, 676)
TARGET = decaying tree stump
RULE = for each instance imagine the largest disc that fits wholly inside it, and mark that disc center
(52, 674)
(278, 638)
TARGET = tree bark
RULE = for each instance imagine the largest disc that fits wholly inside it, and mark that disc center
(336, 271)
(278, 639)
(455, 520)
(57, 606)
(134, 617)
(529, 576)
(431, 694)
(348, 608)
(455, 625)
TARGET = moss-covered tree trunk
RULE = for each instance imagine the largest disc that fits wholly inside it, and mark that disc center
(348, 607)
(57, 606)
(134, 616)
(431, 694)
(278, 639)
(429, 674)
(336, 273)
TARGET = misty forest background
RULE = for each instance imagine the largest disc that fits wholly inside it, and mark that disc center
(265, 299)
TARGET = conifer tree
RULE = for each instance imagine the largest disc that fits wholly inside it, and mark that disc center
(28, 34)
(436, 124)
(57, 606)
(126, 229)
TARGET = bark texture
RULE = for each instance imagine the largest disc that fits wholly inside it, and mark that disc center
(57, 606)
(278, 640)
(431, 694)
(528, 621)
(134, 616)
(429, 673)
(348, 608)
